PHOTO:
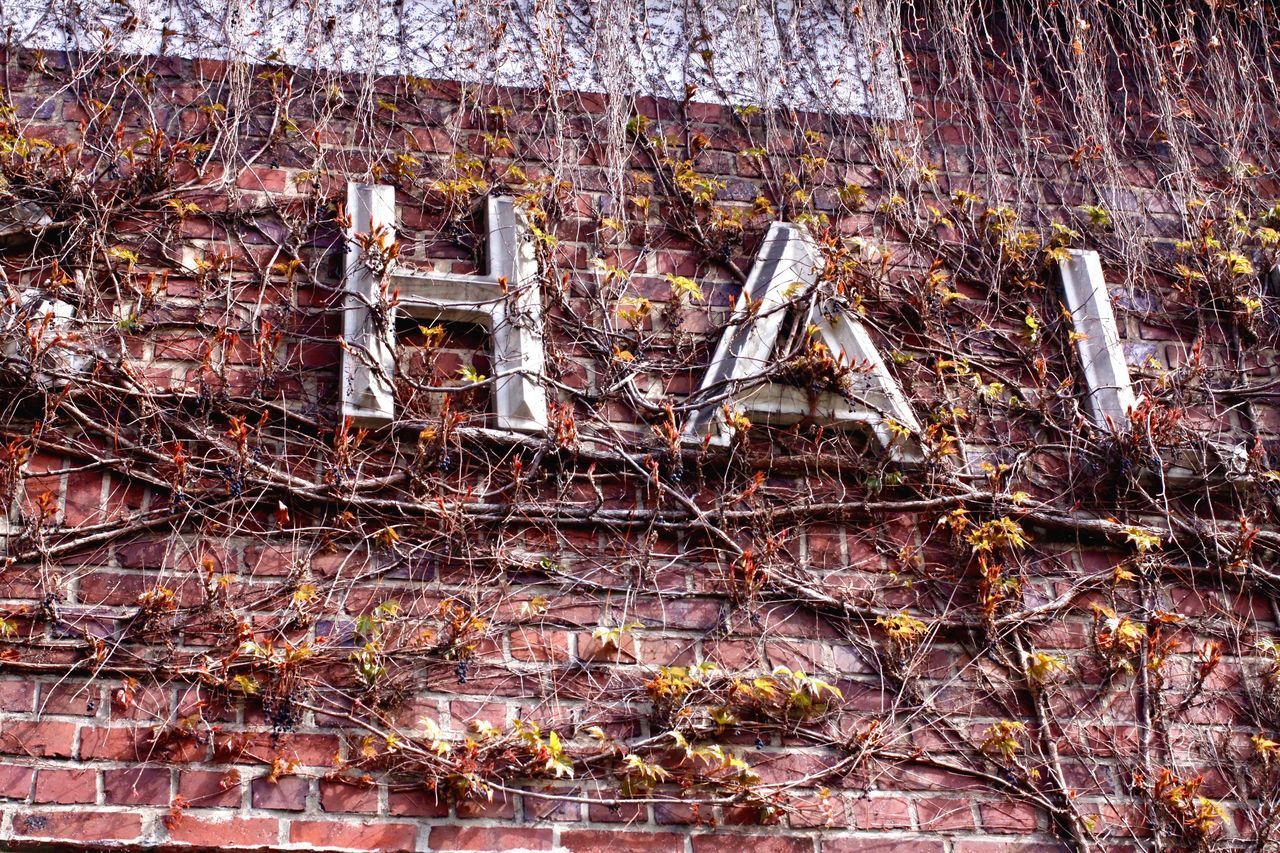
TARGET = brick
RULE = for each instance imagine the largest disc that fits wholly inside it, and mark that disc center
(417, 803)
(880, 813)
(684, 814)
(598, 649)
(338, 796)
(210, 788)
(80, 825)
(541, 810)
(288, 793)
(542, 646)
(83, 498)
(879, 844)
(1008, 817)
(500, 808)
(605, 841)
(15, 781)
(43, 738)
(270, 561)
(70, 698)
(733, 655)
(683, 614)
(920, 778)
(266, 180)
(667, 651)
(362, 835)
(934, 814)
(111, 744)
(823, 811)
(618, 813)
(141, 786)
(975, 846)
(17, 696)
(1118, 818)
(221, 831)
(489, 838)
(110, 588)
(463, 713)
(145, 705)
(307, 750)
(719, 841)
(66, 787)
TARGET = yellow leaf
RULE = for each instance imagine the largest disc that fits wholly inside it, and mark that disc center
(902, 626)
(684, 287)
(1041, 667)
(998, 533)
(1142, 539)
(1002, 739)
(1265, 746)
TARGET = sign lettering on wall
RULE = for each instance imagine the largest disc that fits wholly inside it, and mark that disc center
(507, 301)
(786, 267)
(1108, 390)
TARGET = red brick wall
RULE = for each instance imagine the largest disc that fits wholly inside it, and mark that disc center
(133, 582)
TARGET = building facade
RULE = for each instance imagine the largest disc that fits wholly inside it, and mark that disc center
(647, 426)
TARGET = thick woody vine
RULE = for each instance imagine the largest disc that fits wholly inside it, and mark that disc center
(150, 227)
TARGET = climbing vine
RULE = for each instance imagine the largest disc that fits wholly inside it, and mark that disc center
(1081, 619)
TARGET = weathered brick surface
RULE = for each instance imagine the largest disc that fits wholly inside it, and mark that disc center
(145, 759)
